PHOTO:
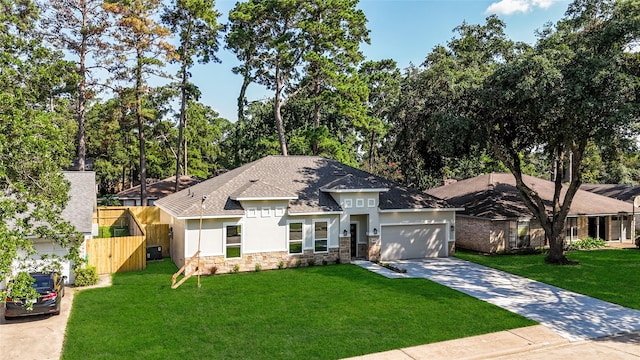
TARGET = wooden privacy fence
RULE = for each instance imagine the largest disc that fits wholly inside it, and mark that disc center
(117, 254)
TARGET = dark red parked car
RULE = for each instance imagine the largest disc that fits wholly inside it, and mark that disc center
(50, 286)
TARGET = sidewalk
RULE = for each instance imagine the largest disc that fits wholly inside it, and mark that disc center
(529, 343)
(574, 326)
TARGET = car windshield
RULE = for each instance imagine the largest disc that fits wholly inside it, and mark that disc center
(42, 281)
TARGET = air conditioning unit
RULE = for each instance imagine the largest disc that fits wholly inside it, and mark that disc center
(154, 252)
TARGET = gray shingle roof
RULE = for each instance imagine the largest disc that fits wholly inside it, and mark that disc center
(159, 189)
(308, 178)
(82, 200)
(622, 192)
(495, 196)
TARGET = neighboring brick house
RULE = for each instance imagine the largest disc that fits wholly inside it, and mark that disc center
(291, 209)
(495, 219)
(625, 192)
(156, 190)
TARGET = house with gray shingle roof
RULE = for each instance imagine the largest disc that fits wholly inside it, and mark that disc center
(301, 209)
(495, 218)
(155, 190)
(79, 212)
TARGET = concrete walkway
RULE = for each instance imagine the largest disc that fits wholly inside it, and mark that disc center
(573, 316)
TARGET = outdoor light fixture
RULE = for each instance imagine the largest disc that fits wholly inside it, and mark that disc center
(345, 232)
(452, 228)
(375, 231)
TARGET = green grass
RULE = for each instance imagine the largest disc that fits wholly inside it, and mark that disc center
(610, 275)
(320, 312)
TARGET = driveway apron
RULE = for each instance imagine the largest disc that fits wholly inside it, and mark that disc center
(574, 316)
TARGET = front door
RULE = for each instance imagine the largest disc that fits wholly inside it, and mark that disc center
(354, 240)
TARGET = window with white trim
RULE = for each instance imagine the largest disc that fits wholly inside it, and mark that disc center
(359, 203)
(320, 236)
(233, 241)
(295, 237)
(252, 212)
(266, 212)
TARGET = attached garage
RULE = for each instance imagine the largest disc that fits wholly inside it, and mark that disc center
(413, 241)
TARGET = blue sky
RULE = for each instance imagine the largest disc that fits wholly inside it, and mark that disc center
(402, 30)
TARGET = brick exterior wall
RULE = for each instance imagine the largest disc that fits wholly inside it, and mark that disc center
(491, 236)
(481, 235)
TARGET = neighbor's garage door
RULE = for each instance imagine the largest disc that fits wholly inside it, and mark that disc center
(413, 241)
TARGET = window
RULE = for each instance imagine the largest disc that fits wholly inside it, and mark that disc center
(233, 241)
(295, 238)
(279, 211)
(359, 203)
(348, 203)
(266, 212)
(371, 203)
(572, 229)
(524, 239)
(252, 212)
(320, 236)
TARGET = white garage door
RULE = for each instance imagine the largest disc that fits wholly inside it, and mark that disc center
(44, 247)
(413, 241)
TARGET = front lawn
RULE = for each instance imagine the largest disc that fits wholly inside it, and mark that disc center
(610, 275)
(321, 312)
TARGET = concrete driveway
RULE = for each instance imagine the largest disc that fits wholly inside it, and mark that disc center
(35, 337)
(40, 336)
(574, 316)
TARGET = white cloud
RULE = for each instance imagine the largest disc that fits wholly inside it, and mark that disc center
(509, 7)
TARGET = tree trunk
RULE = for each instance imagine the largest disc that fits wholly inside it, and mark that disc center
(183, 108)
(372, 150)
(278, 115)
(82, 100)
(141, 140)
(316, 115)
(239, 125)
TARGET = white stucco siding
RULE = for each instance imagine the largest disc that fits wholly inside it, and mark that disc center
(417, 217)
(211, 237)
(177, 241)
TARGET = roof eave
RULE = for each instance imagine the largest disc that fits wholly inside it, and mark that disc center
(420, 210)
(378, 190)
(265, 198)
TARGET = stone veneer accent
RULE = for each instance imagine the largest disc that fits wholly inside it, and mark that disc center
(267, 261)
(345, 249)
(363, 251)
(374, 249)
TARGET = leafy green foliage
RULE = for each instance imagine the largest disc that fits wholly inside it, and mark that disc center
(85, 276)
(20, 288)
(587, 244)
(34, 146)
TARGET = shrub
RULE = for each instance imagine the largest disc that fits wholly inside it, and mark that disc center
(586, 244)
(258, 267)
(324, 262)
(298, 263)
(311, 262)
(86, 276)
(235, 269)
(281, 265)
